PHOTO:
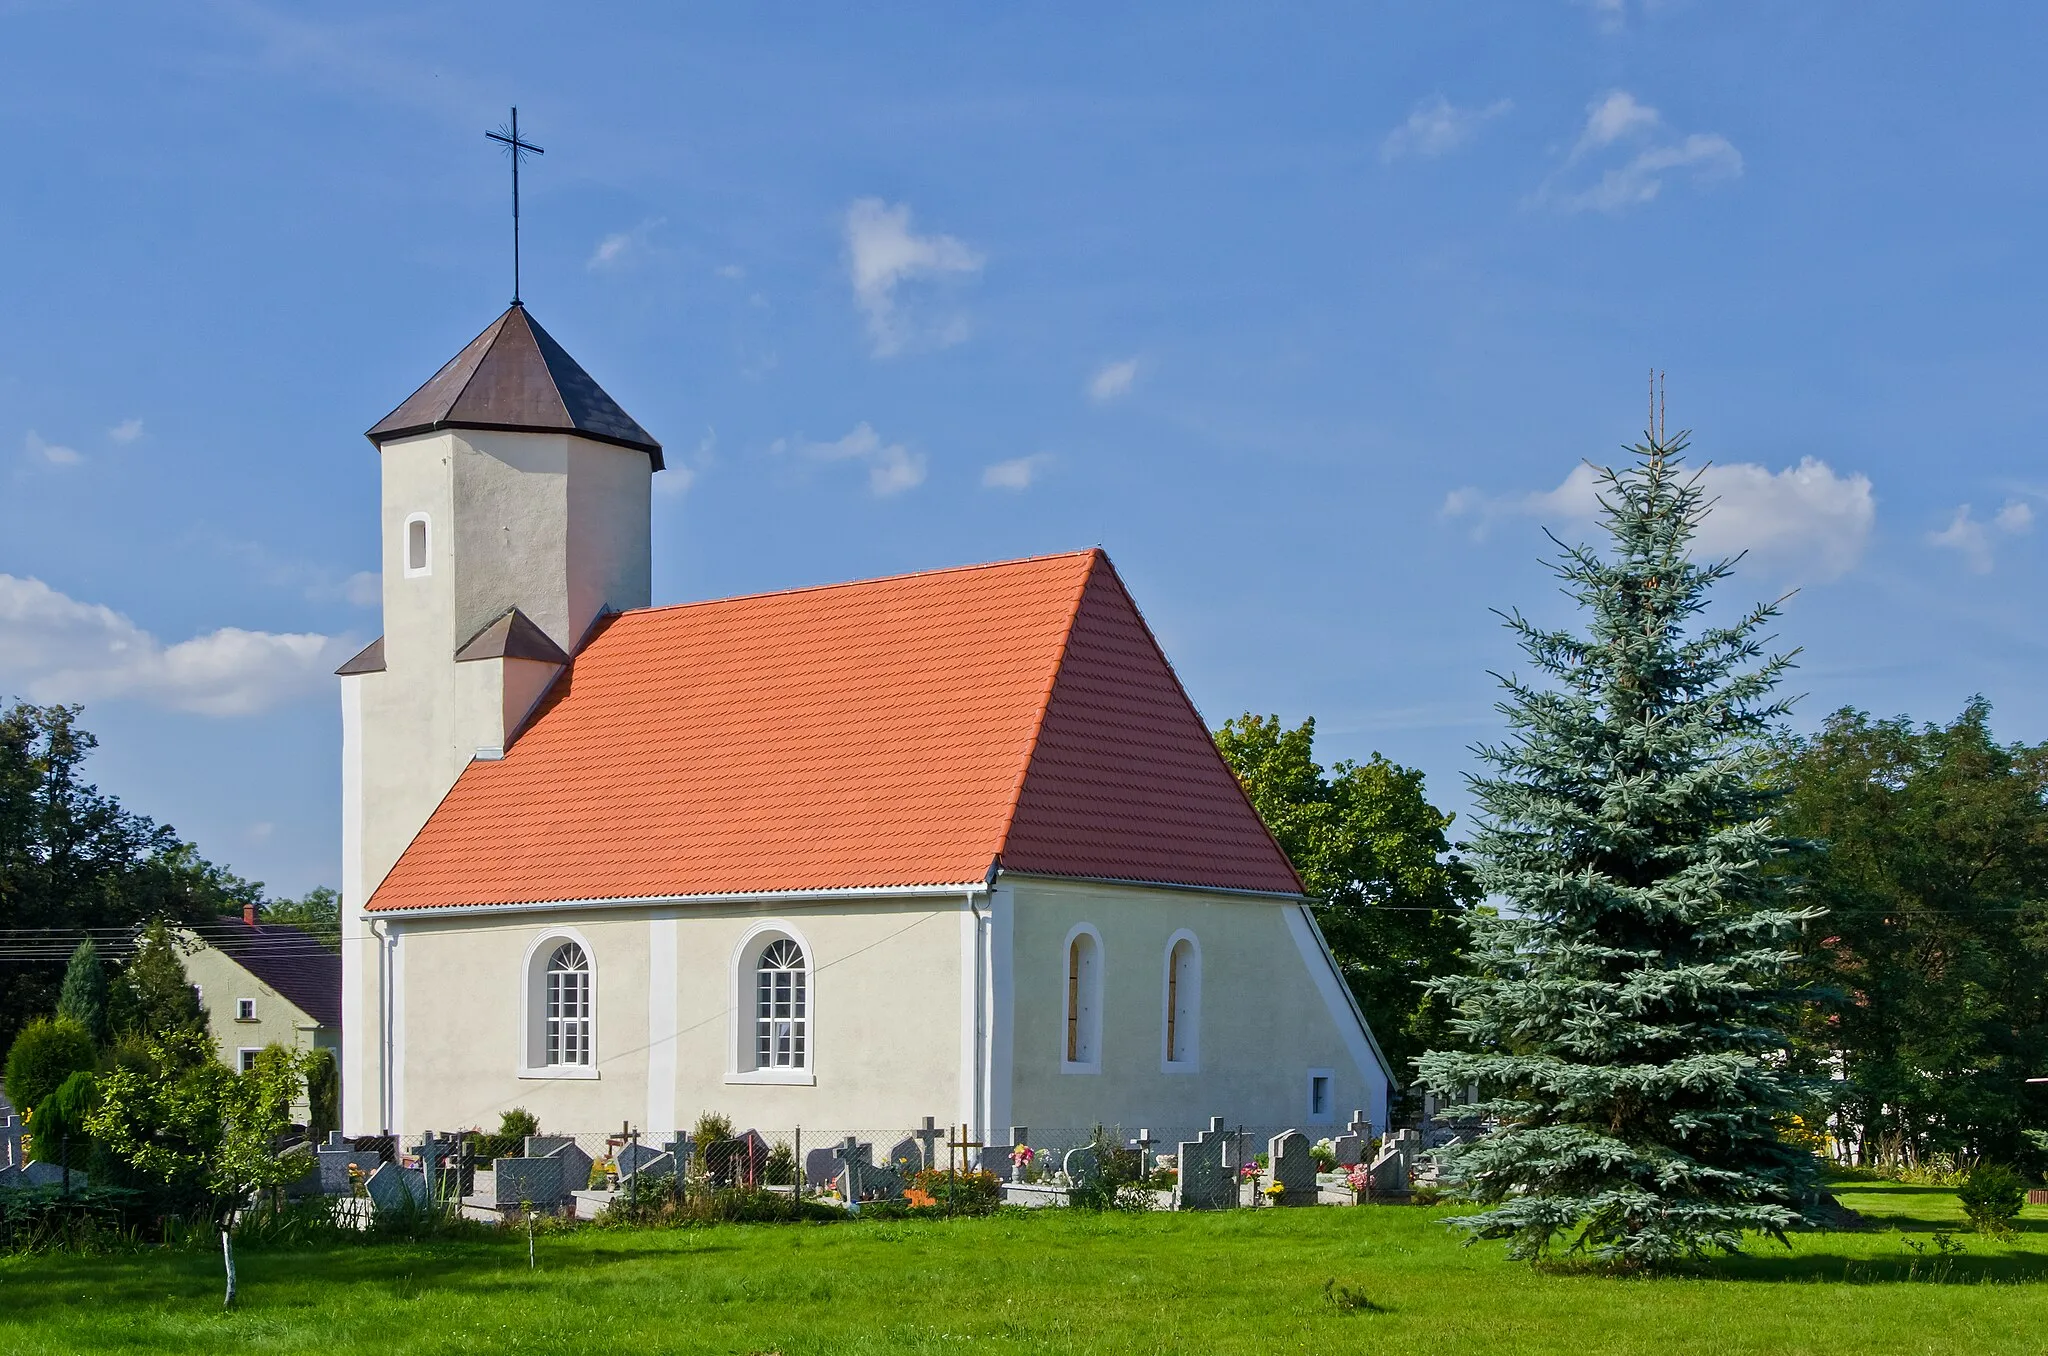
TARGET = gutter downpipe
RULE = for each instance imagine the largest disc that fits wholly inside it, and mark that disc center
(984, 942)
(386, 945)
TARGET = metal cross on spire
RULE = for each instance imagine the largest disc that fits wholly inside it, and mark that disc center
(509, 135)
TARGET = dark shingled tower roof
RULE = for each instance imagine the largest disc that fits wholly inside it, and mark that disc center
(515, 377)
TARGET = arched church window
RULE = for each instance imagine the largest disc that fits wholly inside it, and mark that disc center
(1183, 1001)
(781, 1007)
(567, 1007)
(1084, 1001)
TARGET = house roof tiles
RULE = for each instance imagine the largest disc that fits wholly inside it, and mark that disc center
(892, 732)
(291, 961)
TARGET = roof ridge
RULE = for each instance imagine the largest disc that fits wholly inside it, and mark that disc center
(493, 332)
(856, 583)
(1096, 557)
(540, 351)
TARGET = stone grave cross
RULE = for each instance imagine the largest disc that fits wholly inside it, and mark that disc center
(929, 1135)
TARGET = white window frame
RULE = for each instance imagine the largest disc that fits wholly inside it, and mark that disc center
(533, 982)
(426, 565)
(741, 1065)
(245, 1009)
(1328, 1115)
(245, 1057)
(1187, 1026)
(1087, 1025)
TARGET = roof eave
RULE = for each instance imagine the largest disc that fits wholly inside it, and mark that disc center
(379, 437)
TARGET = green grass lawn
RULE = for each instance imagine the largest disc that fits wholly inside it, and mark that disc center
(1051, 1281)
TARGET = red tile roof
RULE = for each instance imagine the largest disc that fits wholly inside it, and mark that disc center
(891, 732)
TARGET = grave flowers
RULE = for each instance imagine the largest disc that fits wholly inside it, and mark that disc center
(1274, 1192)
(1359, 1179)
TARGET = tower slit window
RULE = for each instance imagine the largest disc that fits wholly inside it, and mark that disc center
(417, 559)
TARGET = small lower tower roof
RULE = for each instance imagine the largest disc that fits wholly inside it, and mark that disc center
(514, 377)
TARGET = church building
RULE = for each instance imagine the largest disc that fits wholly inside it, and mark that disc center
(952, 844)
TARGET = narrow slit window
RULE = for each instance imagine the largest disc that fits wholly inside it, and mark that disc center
(1183, 992)
(1084, 1000)
(416, 544)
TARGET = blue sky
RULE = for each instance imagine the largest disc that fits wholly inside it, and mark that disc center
(1306, 313)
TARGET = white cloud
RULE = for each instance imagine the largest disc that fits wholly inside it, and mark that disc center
(1016, 473)
(678, 477)
(1436, 126)
(1974, 540)
(1112, 381)
(127, 431)
(731, 272)
(892, 468)
(364, 588)
(55, 648)
(882, 253)
(621, 248)
(1806, 521)
(56, 454)
(1611, 119)
(1707, 157)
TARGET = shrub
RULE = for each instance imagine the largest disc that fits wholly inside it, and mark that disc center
(1992, 1196)
(966, 1192)
(45, 1054)
(711, 1128)
(323, 1095)
(780, 1170)
(59, 1122)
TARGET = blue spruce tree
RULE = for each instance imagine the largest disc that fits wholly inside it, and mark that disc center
(1622, 1013)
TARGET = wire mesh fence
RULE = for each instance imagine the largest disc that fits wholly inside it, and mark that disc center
(1219, 1165)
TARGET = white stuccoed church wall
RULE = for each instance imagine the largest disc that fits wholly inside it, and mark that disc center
(672, 1017)
(1271, 1011)
(554, 524)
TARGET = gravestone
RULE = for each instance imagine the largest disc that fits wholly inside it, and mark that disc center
(307, 1183)
(10, 1178)
(1361, 1126)
(1388, 1175)
(1292, 1169)
(996, 1158)
(736, 1162)
(907, 1157)
(633, 1158)
(1350, 1148)
(821, 1167)
(532, 1181)
(394, 1188)
(10, 1141)
(575, 1164)
(1083, 1166)
(336, 1157)
(929, 1135)
(651, 1167)
(1206, 1181)
(863, 1180)
(540, 1146)
(1408, 1143)
(47, 1175)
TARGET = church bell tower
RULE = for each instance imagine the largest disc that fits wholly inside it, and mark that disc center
(515, 514)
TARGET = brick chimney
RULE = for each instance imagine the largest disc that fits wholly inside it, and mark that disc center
(249, 914)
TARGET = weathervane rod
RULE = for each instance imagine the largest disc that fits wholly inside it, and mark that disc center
(517, 148)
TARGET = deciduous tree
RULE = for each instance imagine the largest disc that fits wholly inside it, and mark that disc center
(1371, 849)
